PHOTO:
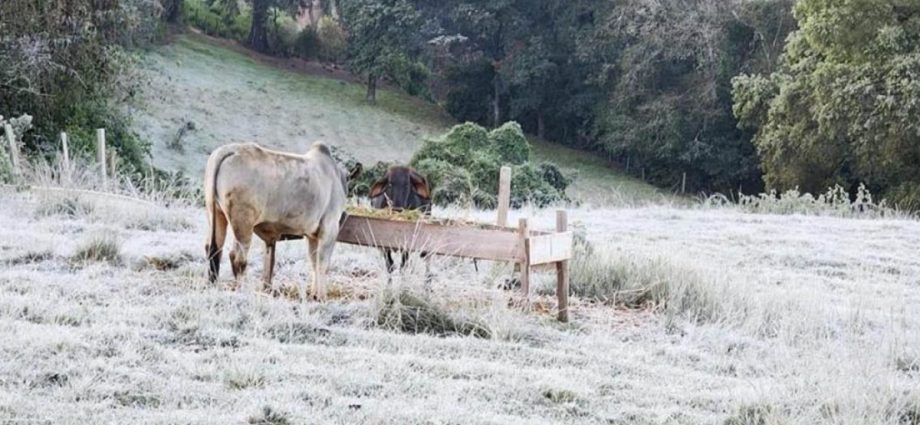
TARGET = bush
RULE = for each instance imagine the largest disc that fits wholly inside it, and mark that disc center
(282, 33)
(332, 39)
(835, 202)
(218, 18)
(509, 144)
(306, 45)
(451, 185)
(463, 167)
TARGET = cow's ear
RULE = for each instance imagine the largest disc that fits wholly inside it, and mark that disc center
(377, 187)
(355, 172)
(420, 183)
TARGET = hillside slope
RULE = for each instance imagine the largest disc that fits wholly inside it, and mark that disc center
(231, 95)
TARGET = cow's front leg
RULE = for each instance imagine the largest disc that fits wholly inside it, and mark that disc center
(323, 256)
(268, 269)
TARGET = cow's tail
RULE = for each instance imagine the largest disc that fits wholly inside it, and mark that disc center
(214, 251)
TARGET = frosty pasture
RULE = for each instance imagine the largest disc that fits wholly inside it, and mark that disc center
(766, 319)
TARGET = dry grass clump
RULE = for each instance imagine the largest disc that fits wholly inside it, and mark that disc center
(755, 414)
(70, 206)
(99, 249)
(269, 416)
(164, 262)
(401, 310)
(31, 257)
(642, 282)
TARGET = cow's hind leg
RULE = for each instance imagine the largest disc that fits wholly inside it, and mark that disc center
(323, 256)
(312, 254)
(214, 250)
(242, 231)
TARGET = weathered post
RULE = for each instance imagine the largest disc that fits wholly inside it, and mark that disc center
(683, 183)
(504, 195)
(524, 233)
(562, 271)
(65, 164)
(14, 149)
(100, 154)
(113, 164)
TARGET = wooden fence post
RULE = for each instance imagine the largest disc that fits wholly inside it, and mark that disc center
(100, 154)
(683, 183)
(504, 195)
(65, 165)
(524, 233)
(14, 149)
(562, 271)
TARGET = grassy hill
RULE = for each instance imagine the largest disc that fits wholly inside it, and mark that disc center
(229, 94)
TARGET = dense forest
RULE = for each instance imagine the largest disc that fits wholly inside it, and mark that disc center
(731, 95)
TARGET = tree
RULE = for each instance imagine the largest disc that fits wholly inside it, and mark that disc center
(258, 30)
(843, 107)
(667, 69)
(380, 34)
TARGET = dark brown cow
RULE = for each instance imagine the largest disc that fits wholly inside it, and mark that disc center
(401, 188)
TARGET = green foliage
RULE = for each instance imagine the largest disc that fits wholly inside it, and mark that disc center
(834, 202)
(508, 144)
(379, 36)
(68, 66)
(331, 38)
(469, 92)
(842, 110)
(20, 126)
(220, 18)
(463, 167)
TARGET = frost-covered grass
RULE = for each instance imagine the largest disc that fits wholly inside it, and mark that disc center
(760, 319)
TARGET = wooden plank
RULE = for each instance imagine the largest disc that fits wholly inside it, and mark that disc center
(550, 248)
(562, 271)
(14, 149)
(468, 242)
(525, 263)
(504, 195)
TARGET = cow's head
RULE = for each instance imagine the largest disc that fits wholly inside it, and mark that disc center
(401, 188)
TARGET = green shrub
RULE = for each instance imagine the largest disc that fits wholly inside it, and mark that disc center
(306, 45)
(509, 143)
(218, 18)
(332, 39)
(282, 32)
(463, 166)
(450, 184)
(834, 202)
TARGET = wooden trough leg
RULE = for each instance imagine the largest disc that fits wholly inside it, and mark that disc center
(523, 231)
(562, 272)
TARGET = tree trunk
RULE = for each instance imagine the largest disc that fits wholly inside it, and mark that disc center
(172, 11)
(496, 109)
(258, 31)
(371, 88)
(541, 125)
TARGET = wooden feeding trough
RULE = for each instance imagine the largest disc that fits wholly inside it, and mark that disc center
(524, 247)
